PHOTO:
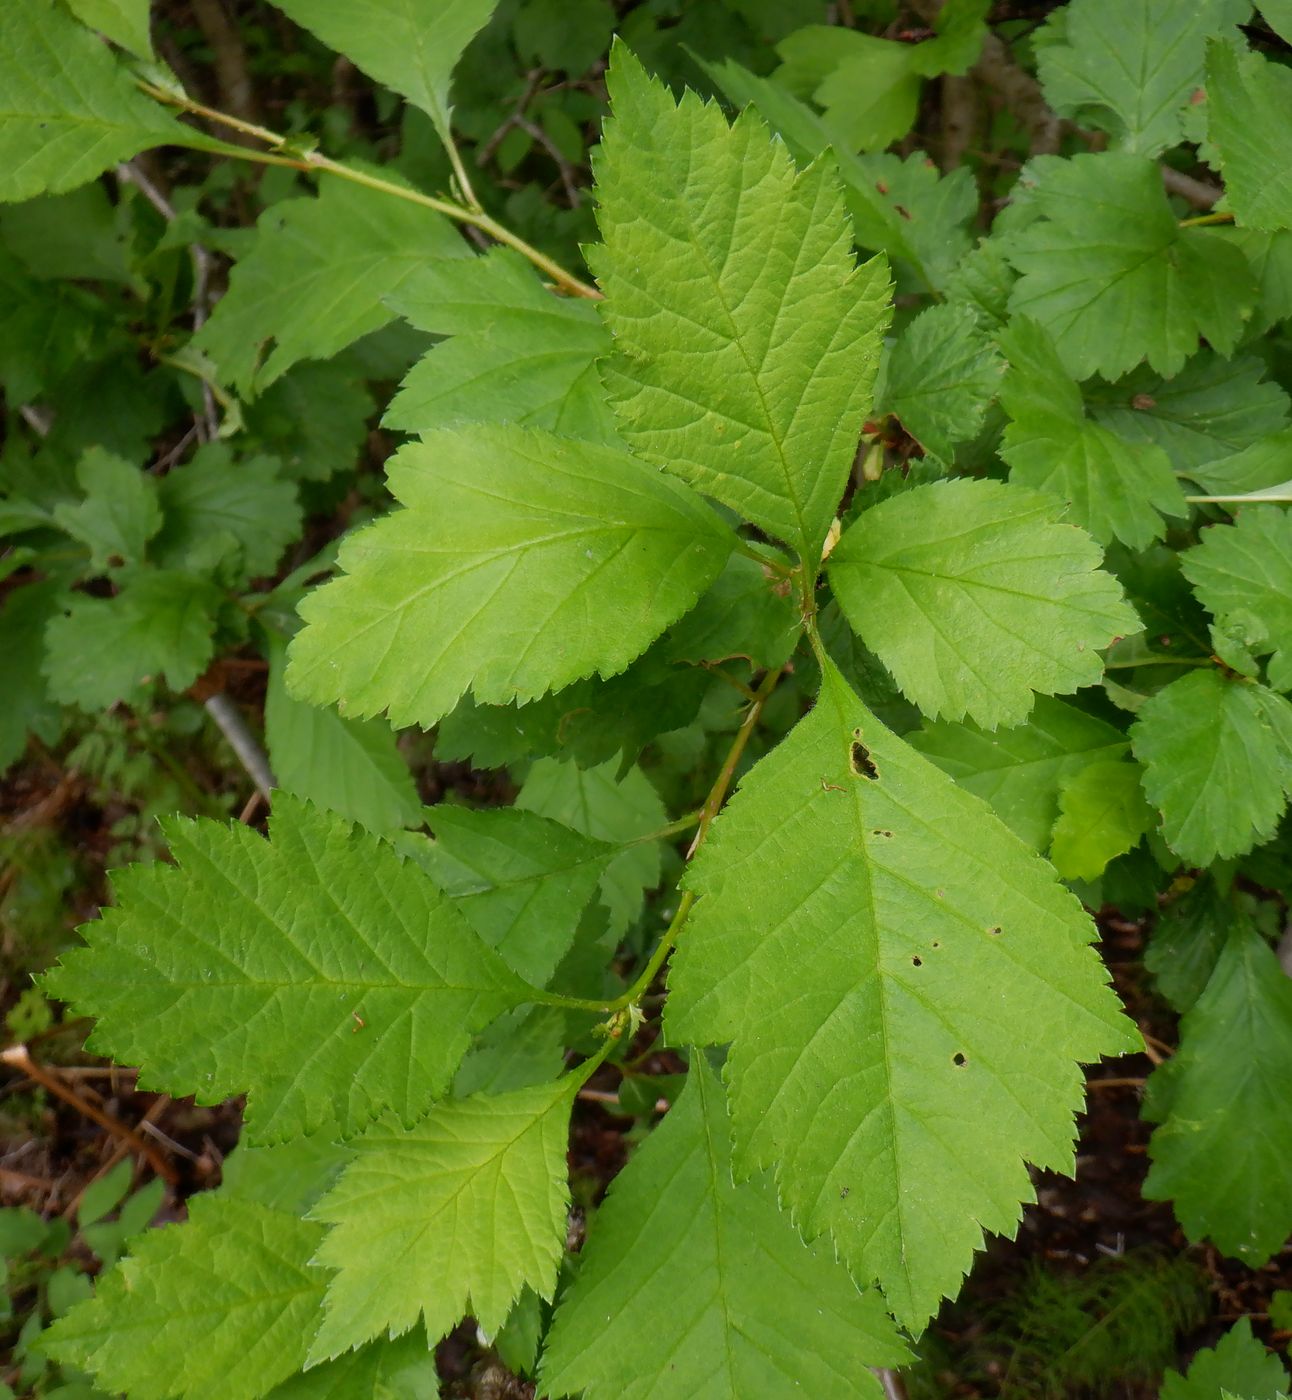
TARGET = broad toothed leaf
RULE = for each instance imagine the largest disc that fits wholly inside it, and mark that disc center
(1249, 112)
(222, 1305)
(691, 1284)
(857, 913)
(403, 1369)
(453, 1215)
(1238, 1367)
(1102, 814)
(1223, 1152)
(316, 970)
(1217, 756)
(410, 46)
(748, 336)
(120, 512)
(974, 596)
(521, 562)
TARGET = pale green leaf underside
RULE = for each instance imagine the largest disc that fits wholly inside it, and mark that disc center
(1102, 814)
(520, 880)
(692, 1285)
(858, 912)
(748, 337)
(1247, 568)
(350, 766)
(522, 562)
(1019, 771)
(315, 277)
(68, 110)
(223, 1305)
(515, 353)
(1249, 113)
(974, 596)
(411, 46)
(1223, 1153)
(125, 22)
(1217, 758)
(1109, 273)
(1131, 66)
(315, 970)
(454, 1215)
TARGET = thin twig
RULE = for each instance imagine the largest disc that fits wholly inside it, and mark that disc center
(241, 740)
(18, 1057)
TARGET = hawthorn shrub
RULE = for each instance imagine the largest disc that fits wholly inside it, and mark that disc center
(883, 592)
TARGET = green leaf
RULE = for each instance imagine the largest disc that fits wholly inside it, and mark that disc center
(1107, 270)
(102, 650)
(1223, 1152)
(400, 1370)
(1237, 1365)
(693, 1285)
(221, 1305)
(974, 596)
(940, 377)
(410, 46)
(521, 881)
(747, 611)
(1249, 108)
(451, 1216)
(352, 767)
(119, 514)
(1020, 771)
(1102, 814)
(522, 562)
(314, 419)
(517, 353)
(1217, 758)
(1212, 408)
(337, 982)
(1246, 568)
(70, 110)
(1130, 67)
(315, 279)
(1256, 469)
(1116, 489)
(28, 708)
(125, 22)
(1186, 942)
(747, 346)
(857, 911)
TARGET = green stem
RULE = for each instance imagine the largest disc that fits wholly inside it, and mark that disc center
(672, 829)
(313, 160)
(1159, 661)
(1200, 219)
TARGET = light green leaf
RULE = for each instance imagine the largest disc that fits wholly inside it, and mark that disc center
(1019, 771)
(1251, 473)
(748, 343)
(601, 804)
(857, 911)
(692, 1285)
(940, 377)
(119, 514)
(125, 22)
(1107, 270)
(1223, 1152)
(517, 353)
(1246, 568)
(454, 1215)
(1102, 814)
(410, 46)
(1212, 408)
(336, 982)
(1217, 758)
(351, 766)
(315, 279)
(1116, 489)
(221, 1305)
(520, 880)
(26, 612)
(1249, 111)
(1130, 67)
(974, 597)
(1237, 1365)
(521, 563)
(102, 650)
(70, 110)
(400, 1370)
